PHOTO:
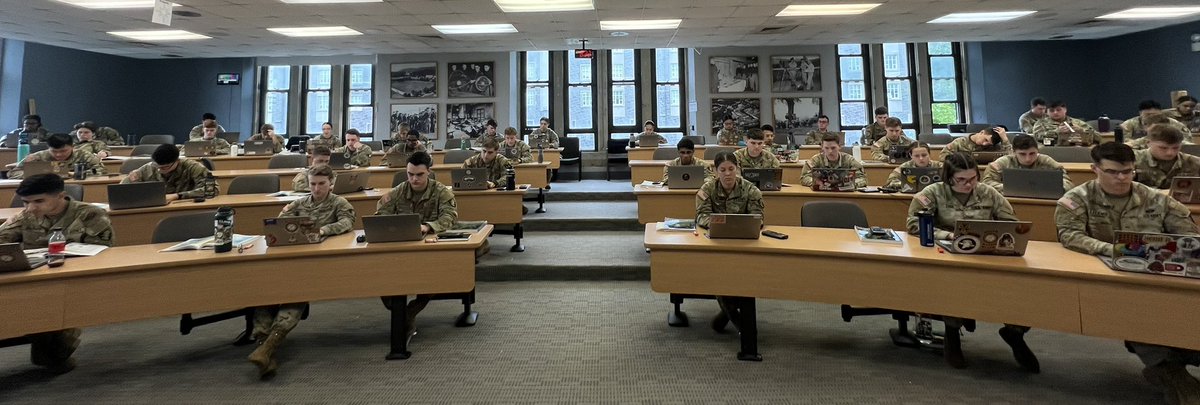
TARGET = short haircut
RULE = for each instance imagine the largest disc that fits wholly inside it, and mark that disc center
(58, 141)
(209, 116)
(1056, 104)
(352, 131)
(492, 123)
(1164, 133)
(1022, 142)
(881, 111)
(86, 124)
(420, 159)
(1155, 118)
(330, 124)
(892, 122)
(490, 144)
(266, 127)
(45, 183)
(544, 119)
(826, 117)
(685, 143)
(651, 123)
(831, 138)
(1037, 101)
(768, 127)
(165, 154)
(322, 170)
(1149, 105)
(725, 156)
(210, 124)
(322, 151)
(957, 162)
(1184, 99)
(755, 135)
(34, 117)
(916, 145)
(412, 133)
(510, 131)
(727, 118)
(1114, 151)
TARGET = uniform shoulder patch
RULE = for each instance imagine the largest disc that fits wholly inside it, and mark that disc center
(1066, 201)
(923, 199)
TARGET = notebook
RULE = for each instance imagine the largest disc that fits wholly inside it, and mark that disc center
(830, 179)
(137, 195)
(982, 237)
(734, 226)
(286, 231)
(1033, 183)
(764, 179)
(915, 179)
(392, 228)
(1156, 253)
(685, 177)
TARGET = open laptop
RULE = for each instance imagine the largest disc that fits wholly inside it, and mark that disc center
(339, 161)
(764, 179)
(830, 179)
(198, 147)
(685, 177)
(1033, 183)
(898, 154)
(1155, 253)
(734, 226)
(232, 137)
(286, 231)
(915, 179)
(253, 148)
(137, 195)
(13, 141)
(475, 178)
(392, 228)
(981, 237)
(13, 259)
(984, 158)
(1184, 189)
(397, 159)
(647, 141)
(44, 166)
(350, 182)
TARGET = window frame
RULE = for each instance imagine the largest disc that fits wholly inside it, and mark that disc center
(681, 53)
(637, 96)
(264, 95)
(305, 90)
(346, 90)
(960, 102)
(865, 62)
(567, 130)
(524, 83)
(910, 50)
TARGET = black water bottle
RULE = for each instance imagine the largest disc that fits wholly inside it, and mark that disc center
(223, 230)
(1119, 134)
(512, 179)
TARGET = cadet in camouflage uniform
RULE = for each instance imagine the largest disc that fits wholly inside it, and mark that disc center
(1036, 114)
(755, 155)
(1142, 141)
(489, 131)
(402, 133)
(334, 215)
(687, 157)
(728, 135)
(490, 159)
(31, 123)
(649, 129)
(919, 151)
(544, 135)
(894, 136)
(86, 132)
(48, 207)
(267, 133)
(514, 149)
(220, 145)
(184, 178)
(1025, 155)
(198, 131)
(109, 136)
(410, 145)
(359, 153)
(1163, 161)
(728, 193)
(1185, 112)
(876, 130)
(320, 157)
(1088, 218)
(1062, 130)
(60, 150)
(831, 157)
(960, 196)
(988, 140)
(326, 139)
(814, 137)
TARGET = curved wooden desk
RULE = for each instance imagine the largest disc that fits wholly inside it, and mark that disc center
(877, 172)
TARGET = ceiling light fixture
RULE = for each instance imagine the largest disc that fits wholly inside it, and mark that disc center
(336, 31)
(103, 4)
(538, 6)
(628, 25)
(983, 17)
(159, 35)
(329, 1)
(1150, 13)
(464, 29)
(804, 10)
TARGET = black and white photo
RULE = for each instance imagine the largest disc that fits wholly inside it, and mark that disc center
(796, 73)
(471, 79)
(420, 117)
(414, 80)
(746, 112)
(733, 74)
(467, 119)
(796, 115)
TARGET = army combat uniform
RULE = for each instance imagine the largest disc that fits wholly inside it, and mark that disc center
(360, 157)
(845, 161)
(894, 180)
(728, 137)
(197, 132)
(880, 149)
(77, 156)
(187, 179)
(402, 148)
(1155, 173)
(548, 138)
(1133, 128)
(871, 133)
(517, 153)
(765, 160)
(332, 142)
(708, 169)
(1047, 129)
(964, 144)
(93, 146)
(1192, 122)
(814, 137)
(1144, 142)
(745, 198)
(277, 141)
(994, 175)
(497, 168)
(1028, 121)
(219, 146)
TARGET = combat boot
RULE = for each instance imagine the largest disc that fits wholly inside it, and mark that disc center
(414, 307)
(264, 355)
(952, 348)
(1015, 338)
(1179, 387)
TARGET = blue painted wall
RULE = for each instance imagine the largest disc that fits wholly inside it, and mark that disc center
(1151, 65)
(185, 89)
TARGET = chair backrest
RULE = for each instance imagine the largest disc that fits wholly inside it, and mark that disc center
(208, 164)
(254, 184)
(400, 177)
(957, 128)
(936, 139)
(973, 128)
(781, 138)
(1095, 123)
(711, 152)
(458, 155)
(617, 147)
(696, 139)
(375, 145)
(156, 139)
(453, 143)
(183, 227)
(570, 147)
(832, 214)
(666, 153)
(75, 191)
(287, 161)
(144, 150)
(1068, 154)
(132, 164)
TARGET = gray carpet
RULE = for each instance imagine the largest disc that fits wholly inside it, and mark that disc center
(571, 342)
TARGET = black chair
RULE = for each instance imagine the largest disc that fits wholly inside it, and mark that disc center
(208, 164)
(665, 154)
(1068, 154)
(254, 184)
(133, 164)
(617, 153)
(144, 150)
(571, 155)
(973, 128)
(298, 143)
(287, 161)
(456, 156)
(696, 139)
(959, 128)
(711, 152)
(156, 140)
(75, 191)
(936, 139)
(400, 177)
(375, 145)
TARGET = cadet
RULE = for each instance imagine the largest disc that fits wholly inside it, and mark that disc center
(1185, 112)
(648, 129)
(755, 155)
(184, 178)
(490, 159)
(86, 132)
(267, 133)
(411, 144)
(919, 152)
(515, 149)
(489, 131)
(334, 215)
(1058, 129)
(960, 196)
(358, 152)
(320, 157)
(687, 157)
(894, 135)
(780, 151)
(32, 124)
(198, 130)
(108, 136)
(220, 145)
(62, 151)
(728, 193)
(814, 137)
(421, 195)
(543, 135)
(326, 139)
(987, 140)
(875, 130)
(1143, 141)
(1163, 161)
(728, 135)
(1036, 114)
(1136, 127)
(1025, 155)
(48, 207)
(831, 157)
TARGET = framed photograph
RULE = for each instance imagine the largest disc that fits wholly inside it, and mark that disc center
(796, 73)
(746, 112)
(795, 115)
(468, 119)
(471, 79)
(414, 80)
(421, 117)
(733, 74)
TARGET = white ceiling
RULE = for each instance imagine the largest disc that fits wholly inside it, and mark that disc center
(238, 27)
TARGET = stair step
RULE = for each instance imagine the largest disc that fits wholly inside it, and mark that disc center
(576, 216)
(589, 190)
(600, 255)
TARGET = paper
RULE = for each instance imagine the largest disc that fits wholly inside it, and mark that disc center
(207, 243)
(73, 249)
(162, 12)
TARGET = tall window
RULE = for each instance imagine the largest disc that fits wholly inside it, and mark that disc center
(536, 83)
(900, 80)
(581, 97)
(668, 93)
(360, 108)
(275, 100)
(947, 103)
(853, 91)
(624, 94)
(316, 97)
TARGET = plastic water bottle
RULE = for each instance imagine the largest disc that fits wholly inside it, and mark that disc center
(233, 149)
(1103, 123)
(22, 146)
(56, 253)
(925, 227)
(857, 152)
(223, 230)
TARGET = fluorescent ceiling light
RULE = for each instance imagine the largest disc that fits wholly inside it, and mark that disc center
(329, 1)
(99, 4)
(475, 29)
(995, 16)
(338, 31)
(801, 10)
(1146, 13)
(628, 25)
(535, 6)
(159, 35)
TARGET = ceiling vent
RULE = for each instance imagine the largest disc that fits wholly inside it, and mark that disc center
(776, 30)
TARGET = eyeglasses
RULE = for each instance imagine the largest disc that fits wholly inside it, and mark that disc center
(1115, 173)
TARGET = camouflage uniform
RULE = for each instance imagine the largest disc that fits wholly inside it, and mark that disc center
(93, 146)
(197, 132)
(765, 160)
(41, 134)
(496, 169)
(109, 136)
(403, 149)
(335, 215)
(435, 204)
(994, 175)
(1048, 128)
(77, 156)
(845, 161)
(520, 151)
(360, 157)
(814, 136)
(277, 141)
(300, 182)
(872, 133)
(187, 180)
(80, 222)
(984, 203)
(879, 149)
(332, 142)
(1191, 122)
(548, 138)
(713, 199)
(728, 138)
(964, 144)
(1133, 128)
(708, 169)
(895, 181)
(1144, 142)
(220, 146)
(1028, 121)
(1151, 172)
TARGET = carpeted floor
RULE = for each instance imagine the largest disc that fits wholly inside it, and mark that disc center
(572, 342)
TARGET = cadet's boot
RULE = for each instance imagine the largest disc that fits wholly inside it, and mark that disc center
(1179, 387)
(720, 321)
(952, 348)
(1016, 340)
(414, 307)
(264, 355)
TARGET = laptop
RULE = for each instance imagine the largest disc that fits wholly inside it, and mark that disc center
(387, 143)
(470, 179)
(13, 259)
(1185, 189)
(232, 137)
(286, 231)
(915, 179)
(898, 154)
(137, 195)
(647, 141)
(764, 179)
(734, 226)
(253, 148)
(984, 158)
(685, 177)
(981, 237)
(1033, 183)
(1155, 253)
(350, 182)
(339, 161)
(397, 159)
(392, 228)
(44, 166)
(198, 147)
(830, 179)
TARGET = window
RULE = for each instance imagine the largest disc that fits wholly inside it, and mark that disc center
(535, 80)
(944, 68)
(581, 95)
(623, 117)
(316, 97)
(668, 93)
(360, 100)
(325, 93)
(277, 85)
(900, 80)
(852, 90)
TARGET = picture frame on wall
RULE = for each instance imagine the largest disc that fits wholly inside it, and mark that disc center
(795, 115)
(746, 112)
(795, 73)
(733, 74)
(471, 79)
(414, 80)
(467, 120)
(421, 117)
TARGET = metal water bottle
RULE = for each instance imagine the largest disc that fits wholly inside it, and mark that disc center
(210, 185)
(1103, 123)
(1119, 134)
(511, 175)
(56, 252)
(22, 146)
(223, 230)
(925, 227)
(541, 152)
(80, 171)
